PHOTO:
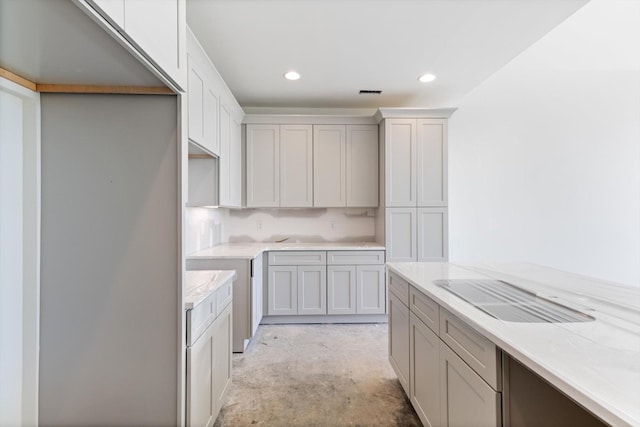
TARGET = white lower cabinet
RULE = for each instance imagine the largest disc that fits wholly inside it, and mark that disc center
(424, 356)
(312, 289)
(256, 293)
(223, 339)
(341, 284)
(297, 290)
(442, 386)
(370, 289)
(320, 283)
(283, 290)
(209, 362)
(356, 289)
(247, 294)
(466, 398)
(399, 339)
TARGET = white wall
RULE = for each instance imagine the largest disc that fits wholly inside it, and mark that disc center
(11, 302)
(19, 253)
(545, 154)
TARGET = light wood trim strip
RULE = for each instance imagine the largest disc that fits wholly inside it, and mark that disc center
(131, 90)
(17, 79)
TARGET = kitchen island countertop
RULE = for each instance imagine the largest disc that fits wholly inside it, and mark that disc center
(595, 363)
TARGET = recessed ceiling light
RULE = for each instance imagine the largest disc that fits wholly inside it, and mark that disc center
(291, 75)
(425, 78)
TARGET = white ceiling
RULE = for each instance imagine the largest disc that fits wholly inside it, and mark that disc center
(342, 46)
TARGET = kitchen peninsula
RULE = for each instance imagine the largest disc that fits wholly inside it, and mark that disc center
(595, 362)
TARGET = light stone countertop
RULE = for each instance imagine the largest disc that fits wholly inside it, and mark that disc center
(199, 284)
(595, 363)
(252, 250)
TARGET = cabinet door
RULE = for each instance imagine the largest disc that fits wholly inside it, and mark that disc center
(112, 10)
(256, 293)
(263, 166)
(222, 337)
(399, 340)
(312, 289)
(225, 156)
(466, 400)
(155, 27)
(210, 117)
(329, 166)
(296, 166)
(341, 289)
(424, 357)
(371, 289)
(235, 171)
(431, 151)
(283, 290)
(200, 408)
(432, 234)
(400, 162)
(401, 234)
(362, 165)
(195, 93)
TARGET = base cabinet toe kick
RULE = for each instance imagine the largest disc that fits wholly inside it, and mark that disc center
(454, 376)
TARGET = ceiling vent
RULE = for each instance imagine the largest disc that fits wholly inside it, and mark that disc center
(370, 92)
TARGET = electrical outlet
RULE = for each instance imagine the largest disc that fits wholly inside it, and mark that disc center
(259, 225)
(332, 225)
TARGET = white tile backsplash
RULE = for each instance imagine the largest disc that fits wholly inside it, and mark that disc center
(203, 228)
(304, 225)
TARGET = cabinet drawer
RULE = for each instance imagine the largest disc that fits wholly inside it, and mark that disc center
(200, 317)
(400, 288)
(477, 351)
(224, 294)
(355, 257)
(425, 308)
(298, 258)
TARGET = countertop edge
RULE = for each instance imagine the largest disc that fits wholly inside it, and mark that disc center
(260, 248)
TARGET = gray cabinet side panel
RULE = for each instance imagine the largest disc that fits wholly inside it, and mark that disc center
(110, 262)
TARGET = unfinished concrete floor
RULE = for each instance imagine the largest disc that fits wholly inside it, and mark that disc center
(316, 375)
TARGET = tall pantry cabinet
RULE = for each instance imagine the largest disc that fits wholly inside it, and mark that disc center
(414, 193)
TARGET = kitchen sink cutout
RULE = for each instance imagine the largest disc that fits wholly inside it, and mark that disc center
(505, 301)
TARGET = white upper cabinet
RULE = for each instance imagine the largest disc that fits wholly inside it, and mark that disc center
(400, 152)
(431, 162)
(329, 166)
(362, 165)
(225, 154)
(296, 166)
(279, 166)
(263, 166)
(235, 169)
(203, 93)
(319, 165)
(415, 151)
(416, 162)
(230, 153)
(156, 28)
